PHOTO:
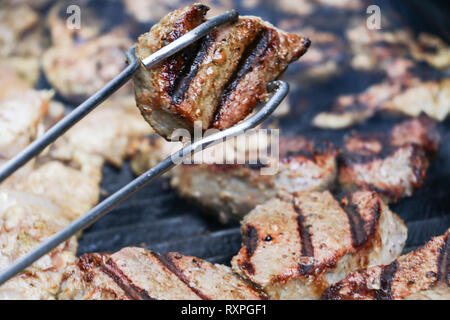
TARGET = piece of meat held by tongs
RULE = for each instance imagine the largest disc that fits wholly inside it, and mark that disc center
(217, 81)
(186, 69)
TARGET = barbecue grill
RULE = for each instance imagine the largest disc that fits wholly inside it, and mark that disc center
(157, 219)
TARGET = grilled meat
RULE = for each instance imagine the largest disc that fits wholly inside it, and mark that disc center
(25, 221)
(73, 191)
(230, 191)
(104, 133)
(431, 49)
(429, 97)
(20, 116)
(13, 29)
(147, 152)
(392, 164)
(13, 80)
(217, 81)
(356, 108)
(295, 248)
(77, 71)
(135, 273)
(420, 274)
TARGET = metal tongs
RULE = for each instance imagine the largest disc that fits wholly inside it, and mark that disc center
(278, 88)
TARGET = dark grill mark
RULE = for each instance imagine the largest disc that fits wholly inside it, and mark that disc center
(130, 289)
(359, 235)
(444, 261)
(193, 57)
(250, 239)
(252, 55)
(246, 265)
(167, 262)
(386, 279)
(305, 235)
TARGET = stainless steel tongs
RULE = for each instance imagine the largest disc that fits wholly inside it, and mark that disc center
(278, 88)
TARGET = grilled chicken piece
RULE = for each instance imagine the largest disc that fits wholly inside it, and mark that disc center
(12, 29)
(77, 71)
(325, 59)
(13, 80)
(356, 108)
(218, 81)
(73, 191)
(296, 248)
(420, 274)
(20, 116)
(393, 165)
(104, 133)
(135, 273)
(230, 191)
(431, 49)
(431, 98)
(26, 220)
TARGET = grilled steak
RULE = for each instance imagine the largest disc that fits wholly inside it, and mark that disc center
(217, 81)
(392, 164)
(135, 273)
(27, 220)
(421, 274)
(230, 191)
(295, 248)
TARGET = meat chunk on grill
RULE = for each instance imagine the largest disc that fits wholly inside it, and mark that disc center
(230, 191)
(72, 190)
(135, 273)
(77, 71)
(26, 220)
(420, 274)
(296, 248)
(218, 81)
(392, 164)
(429, 97)
(104, 134)
(20, 116)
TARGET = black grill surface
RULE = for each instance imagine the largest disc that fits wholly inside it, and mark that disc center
(157, 219)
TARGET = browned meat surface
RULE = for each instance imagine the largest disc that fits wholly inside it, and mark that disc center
(392, 164)
(103, 135)
(218, 81)
(135, 273)
(296, 248)
(420, 274)
(230, 191)
(20, 116)
(26, 220)
(78, 70)
(429, 97)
